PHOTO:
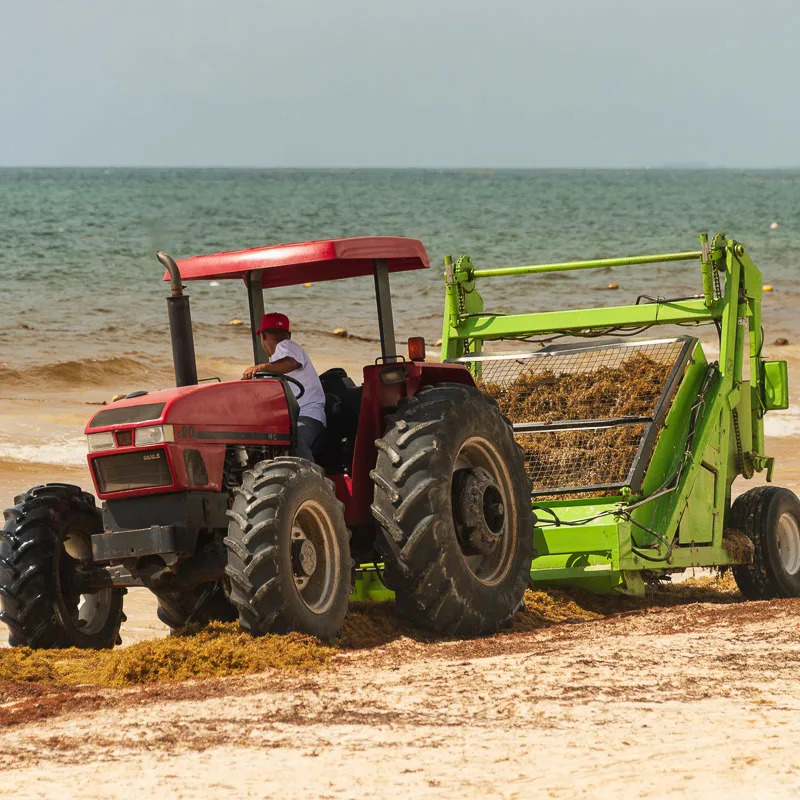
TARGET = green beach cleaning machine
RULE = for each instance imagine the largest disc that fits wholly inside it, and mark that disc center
(632, 435)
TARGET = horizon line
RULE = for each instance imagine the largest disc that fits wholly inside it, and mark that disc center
(640, 168)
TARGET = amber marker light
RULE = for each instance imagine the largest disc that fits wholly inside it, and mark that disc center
(416, 348)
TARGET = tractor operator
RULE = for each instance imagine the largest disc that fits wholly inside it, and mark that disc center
(288, 358)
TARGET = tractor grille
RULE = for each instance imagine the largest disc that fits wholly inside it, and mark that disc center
(587, 415)
(125, 471)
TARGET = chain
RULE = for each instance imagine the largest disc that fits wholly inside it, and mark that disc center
(737, 430)
(717, 287)
(743, 466)
(718, 237)
(462, 311)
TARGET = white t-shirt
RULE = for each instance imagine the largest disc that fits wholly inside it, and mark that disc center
(312, 403)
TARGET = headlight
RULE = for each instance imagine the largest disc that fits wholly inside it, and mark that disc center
(100, 441)
(153, 434)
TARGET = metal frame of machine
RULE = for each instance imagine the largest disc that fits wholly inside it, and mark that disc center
(676, 515)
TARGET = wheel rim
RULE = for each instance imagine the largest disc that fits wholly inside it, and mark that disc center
(500, 514)
(789, 543)
(315, 557)
(87, 613)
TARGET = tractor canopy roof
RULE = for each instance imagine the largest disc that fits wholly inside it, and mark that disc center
(308, 262)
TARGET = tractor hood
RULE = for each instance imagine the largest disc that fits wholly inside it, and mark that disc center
(234, 411)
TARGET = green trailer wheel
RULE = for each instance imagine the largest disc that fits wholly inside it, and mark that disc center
(770, 517)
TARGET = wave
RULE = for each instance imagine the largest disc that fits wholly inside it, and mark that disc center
(72, 452)
(62, 454)
(783, 424)
(85, 372)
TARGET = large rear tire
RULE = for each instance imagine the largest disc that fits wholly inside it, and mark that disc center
(46, 538)
(452, 500)
(288, 551)
(770, 517)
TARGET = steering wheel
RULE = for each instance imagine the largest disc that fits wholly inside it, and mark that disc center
(282, 377)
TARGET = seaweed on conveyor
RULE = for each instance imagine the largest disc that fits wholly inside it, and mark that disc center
(584, 457)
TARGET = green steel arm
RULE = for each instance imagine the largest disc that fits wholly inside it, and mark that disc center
(740, 310)
(487, 326)
(602, 263)
(707, 271)
(753, 291)
(461, 300)
(714, 424)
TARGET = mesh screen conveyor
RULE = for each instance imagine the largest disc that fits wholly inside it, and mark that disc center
(587, 414)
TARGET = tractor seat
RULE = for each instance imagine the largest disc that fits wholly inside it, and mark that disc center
(342, 407)
(333, 407)
(339, 387)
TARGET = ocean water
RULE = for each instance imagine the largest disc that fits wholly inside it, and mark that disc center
(82, 300)
(77, 246)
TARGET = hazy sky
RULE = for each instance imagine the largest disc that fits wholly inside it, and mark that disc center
(430, 83)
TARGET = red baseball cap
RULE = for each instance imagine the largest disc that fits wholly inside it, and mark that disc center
(274, 322)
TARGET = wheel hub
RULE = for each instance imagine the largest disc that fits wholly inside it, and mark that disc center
(478, 510)
(304, 558)
(788, 541)
(315, 560)
(87, 609)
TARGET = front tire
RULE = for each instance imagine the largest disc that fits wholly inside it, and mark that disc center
(46, 538)
(288, 551)
(453, 503)
(770, 517)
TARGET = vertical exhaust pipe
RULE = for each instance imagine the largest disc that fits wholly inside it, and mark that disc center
(180, 326)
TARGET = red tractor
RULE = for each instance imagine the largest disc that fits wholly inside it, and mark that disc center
(204, 503)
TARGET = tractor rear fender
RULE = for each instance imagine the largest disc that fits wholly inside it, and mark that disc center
(384, 386)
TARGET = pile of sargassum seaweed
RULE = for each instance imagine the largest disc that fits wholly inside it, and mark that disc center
(581, 457)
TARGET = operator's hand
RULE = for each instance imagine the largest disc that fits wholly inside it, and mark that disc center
(250, 372)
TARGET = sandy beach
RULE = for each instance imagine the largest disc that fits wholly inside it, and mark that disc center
(699, 700)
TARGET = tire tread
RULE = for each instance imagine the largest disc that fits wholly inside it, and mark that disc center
(428, 577)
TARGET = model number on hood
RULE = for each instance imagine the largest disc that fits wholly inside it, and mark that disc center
(184, 432)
